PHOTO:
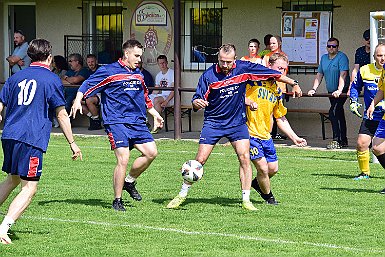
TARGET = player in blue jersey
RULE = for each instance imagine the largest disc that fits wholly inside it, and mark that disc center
(221, 92)
(28, 96)
(124, 100)
(367, 79)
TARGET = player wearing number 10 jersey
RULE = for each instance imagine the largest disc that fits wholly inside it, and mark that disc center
(28, 96)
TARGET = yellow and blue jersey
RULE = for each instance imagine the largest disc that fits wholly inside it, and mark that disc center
(367, 78)
(268, 96)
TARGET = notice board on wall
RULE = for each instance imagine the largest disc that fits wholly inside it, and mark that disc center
(304, 36)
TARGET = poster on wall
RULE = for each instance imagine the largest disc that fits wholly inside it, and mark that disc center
(151, 25)
(304, 36)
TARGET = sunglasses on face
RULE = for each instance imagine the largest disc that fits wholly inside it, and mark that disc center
(332, 46)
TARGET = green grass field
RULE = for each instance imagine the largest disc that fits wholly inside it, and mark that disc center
(322, 211)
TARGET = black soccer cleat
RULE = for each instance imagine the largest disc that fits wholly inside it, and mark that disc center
(130, 188)
(255, 185)
(118, 205)
(383, 191)
(272, 201)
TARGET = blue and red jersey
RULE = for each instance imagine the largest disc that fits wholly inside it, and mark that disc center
(124, 94)
(226, 93)
(28, 96)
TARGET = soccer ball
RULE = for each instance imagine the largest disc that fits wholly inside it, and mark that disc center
(192, 171)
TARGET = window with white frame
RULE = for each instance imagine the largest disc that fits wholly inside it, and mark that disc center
(202, 33)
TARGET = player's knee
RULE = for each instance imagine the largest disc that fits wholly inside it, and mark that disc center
(377, 150)
(151, 155)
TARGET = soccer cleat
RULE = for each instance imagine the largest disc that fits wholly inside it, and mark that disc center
(272, 201)
(155, 130)
(247, 205)
(176, 202)
(333, 145)
(383, 191)
(255, 185)
(5, 240)
(118, 205)
(130, 188)
(95, 124)
(361, 176)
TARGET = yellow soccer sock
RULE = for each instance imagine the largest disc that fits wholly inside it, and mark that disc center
(363, 161)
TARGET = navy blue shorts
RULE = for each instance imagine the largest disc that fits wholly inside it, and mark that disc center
(211, 136)
(127, 135)
(262, 148)
(380, 132)
(22, 159)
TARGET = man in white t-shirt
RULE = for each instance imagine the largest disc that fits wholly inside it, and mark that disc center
(165, 78)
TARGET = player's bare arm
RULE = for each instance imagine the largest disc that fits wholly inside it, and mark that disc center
(296, 89)
(77, 105)
(65, 125)
(284, 125)
(199, 104)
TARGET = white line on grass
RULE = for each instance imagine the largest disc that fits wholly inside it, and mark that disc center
(185, 232)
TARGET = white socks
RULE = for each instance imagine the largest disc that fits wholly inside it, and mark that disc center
(184, 190)
(130, 179)
(6, 225)
(246, 195)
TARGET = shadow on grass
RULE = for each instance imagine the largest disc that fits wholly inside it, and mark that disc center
(90, 202)
(353, 190)
(215, 201)
(344, 176)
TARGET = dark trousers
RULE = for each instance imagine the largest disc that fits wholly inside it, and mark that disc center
(337, 118)
(70, 94)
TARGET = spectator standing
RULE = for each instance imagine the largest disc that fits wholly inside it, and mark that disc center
(276, 47)
(74, 76)
(266, 42)
(367, 79)
(253, 52)
(334, 66)
(165, 78)
(19, 59)
(362, 56)
(124, 102)
(26, 134)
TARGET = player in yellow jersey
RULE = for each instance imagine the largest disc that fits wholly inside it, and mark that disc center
(379, 136)
(268, 96)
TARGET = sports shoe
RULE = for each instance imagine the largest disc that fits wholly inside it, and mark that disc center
(333, 145)
(383, 191)
(130, 188)
(272, 201)
(361, 176)
(95, 124)
(176, 202)
(247, 205)
(255, 185)
(118, 205)
(5, 240)
(279, 137)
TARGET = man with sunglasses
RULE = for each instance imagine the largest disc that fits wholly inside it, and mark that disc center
(334, 66)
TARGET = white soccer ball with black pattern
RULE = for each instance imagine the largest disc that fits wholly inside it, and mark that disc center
(192, 171)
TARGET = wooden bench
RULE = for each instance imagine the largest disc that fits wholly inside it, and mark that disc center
(324, 115)
(185, 112)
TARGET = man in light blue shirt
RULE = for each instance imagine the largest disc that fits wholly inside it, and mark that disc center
(19, 59)
(334, 66)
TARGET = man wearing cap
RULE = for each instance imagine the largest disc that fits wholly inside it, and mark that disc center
(362, 56)
(19, 59)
